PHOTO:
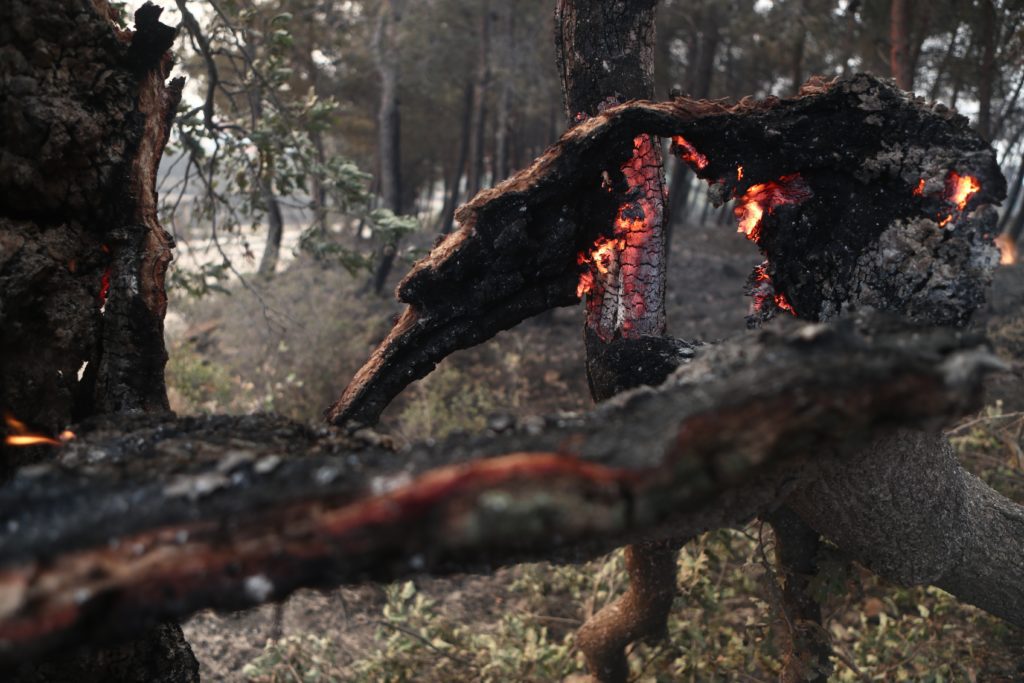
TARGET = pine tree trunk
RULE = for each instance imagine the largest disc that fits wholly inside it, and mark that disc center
(899, 39)
(388, 130)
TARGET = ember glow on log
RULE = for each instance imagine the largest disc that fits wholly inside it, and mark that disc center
(22, 436)
(957, 191)
(690, 155)
(614, 276)
(766, 197)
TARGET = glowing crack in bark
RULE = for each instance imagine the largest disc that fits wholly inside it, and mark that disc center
(621, 279)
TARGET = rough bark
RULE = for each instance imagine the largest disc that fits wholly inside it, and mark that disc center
(862, 148)
(626, 291)
(906, 509)
(232, 511)
(86, 112)
(796, 553)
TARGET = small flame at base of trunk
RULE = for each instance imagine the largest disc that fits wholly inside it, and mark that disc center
(22, 436)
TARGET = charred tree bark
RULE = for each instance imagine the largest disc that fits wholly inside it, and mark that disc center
(82, 253)
(606, 55)
(82, 256)
(233, 511)
(519, 243)
(796, 552)
(388, 130)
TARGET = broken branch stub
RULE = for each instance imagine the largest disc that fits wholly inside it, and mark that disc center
(219, 520)
(858, 194)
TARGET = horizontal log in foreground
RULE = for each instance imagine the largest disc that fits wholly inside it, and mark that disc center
(141, 519)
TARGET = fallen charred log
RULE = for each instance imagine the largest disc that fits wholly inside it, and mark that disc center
(126, 527)
(857, 193)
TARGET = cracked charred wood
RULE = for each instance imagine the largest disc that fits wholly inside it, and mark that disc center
(836, 186)
(82, 255)
(605, 53)
(233, 511)
(86, 114)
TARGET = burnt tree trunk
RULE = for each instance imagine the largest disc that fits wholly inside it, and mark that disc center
(82, 254)
(388, 130)
(606, 56)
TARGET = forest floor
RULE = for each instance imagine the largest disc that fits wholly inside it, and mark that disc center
(292, 348)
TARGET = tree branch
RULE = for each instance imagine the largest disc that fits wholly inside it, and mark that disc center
(177, 515)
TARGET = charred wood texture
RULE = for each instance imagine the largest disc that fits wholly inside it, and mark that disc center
(86, 113)
(866, 232)
(606, 55)
(231, 512)
(82, 257)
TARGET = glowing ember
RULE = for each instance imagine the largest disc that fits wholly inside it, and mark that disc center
(21, 435)
(960, 189)
(104, 287)
(762, 290)
(782, 302)
(689, 153)
(1007, 250)
(739, 173)
(789, 189)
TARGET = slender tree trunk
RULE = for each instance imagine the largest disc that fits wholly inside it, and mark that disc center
(501, 119)
(899, 39)
(986, 69)
(388, 130)
(451, 198)
(265, 174)
(605, 54)
(480, 82)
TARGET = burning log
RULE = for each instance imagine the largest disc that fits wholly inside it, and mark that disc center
(858, 194)
(233, 511)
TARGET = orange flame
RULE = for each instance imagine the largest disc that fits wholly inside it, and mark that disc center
(689, 153)
(739, 173)
(1007, 249)
(764, 289)
(960, 189)
(23, 437)
(789, 189)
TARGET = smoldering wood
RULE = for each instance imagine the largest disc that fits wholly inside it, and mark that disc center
(863, 238)
(86, 113)
(150, 517)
